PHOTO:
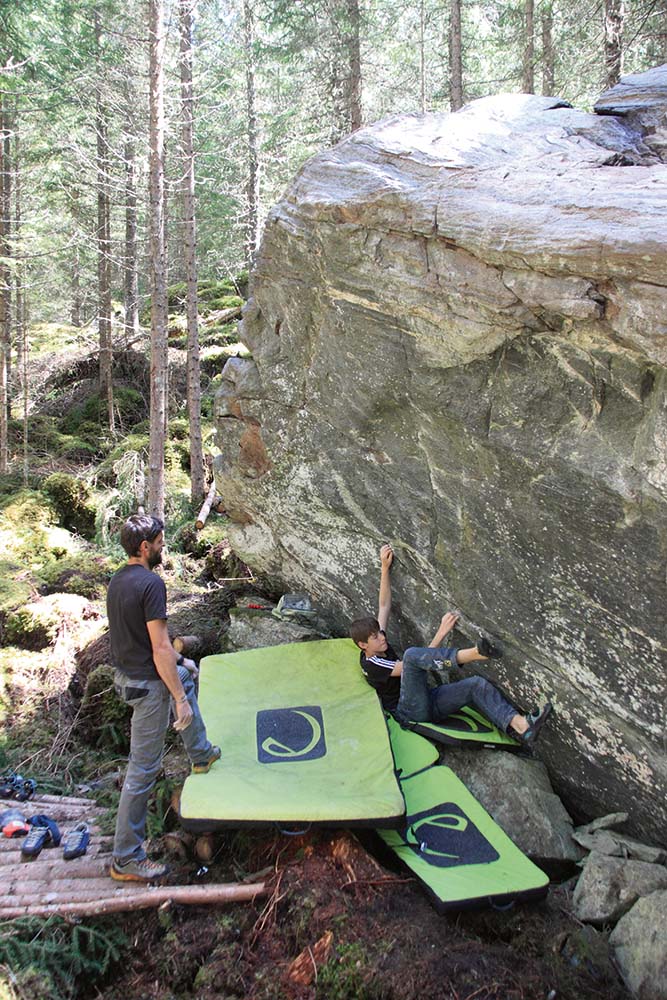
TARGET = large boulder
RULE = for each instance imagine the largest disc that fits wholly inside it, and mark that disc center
(458, 327)
(639, 941)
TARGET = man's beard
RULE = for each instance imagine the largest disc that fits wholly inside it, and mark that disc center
(154, 559)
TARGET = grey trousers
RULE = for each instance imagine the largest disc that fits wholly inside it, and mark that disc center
(150, 719)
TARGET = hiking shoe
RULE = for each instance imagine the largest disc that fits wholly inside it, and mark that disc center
(76, 842)
(490, 649)
(138, 871)
(205, 766)
(535, 723)
(44, 833)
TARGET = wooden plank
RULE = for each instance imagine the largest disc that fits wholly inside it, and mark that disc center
(64, 800)
(128, 898)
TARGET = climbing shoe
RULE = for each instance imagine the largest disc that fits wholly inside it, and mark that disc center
(44, 833)
(535, 722)
(75, 842)
(491, 649)
(13, 786)
(138, 871)
(205, 766)
(13, 823)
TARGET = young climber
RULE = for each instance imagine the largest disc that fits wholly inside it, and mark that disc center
(403, 686)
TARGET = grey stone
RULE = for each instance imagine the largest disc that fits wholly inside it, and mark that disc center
(518, 794)
(639, 941)
(254, 629)
(459, 334)
(603, 823)
(608, 887)
(617, 845)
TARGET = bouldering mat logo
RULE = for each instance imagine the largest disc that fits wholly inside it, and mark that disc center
(467, 721)
(445, 837)
(290, 734)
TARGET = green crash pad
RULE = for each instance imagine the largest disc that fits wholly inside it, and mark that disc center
(467, 727)
(303, 740)
(460, 855)
(412, 753)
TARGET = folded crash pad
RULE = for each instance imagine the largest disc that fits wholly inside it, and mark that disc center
(303, 740)
(467, 727)
(459, 854)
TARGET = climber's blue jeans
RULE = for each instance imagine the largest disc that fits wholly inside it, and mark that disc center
(150, 719)
(419, 703)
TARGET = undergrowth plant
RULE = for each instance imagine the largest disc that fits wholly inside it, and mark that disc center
(51, 957)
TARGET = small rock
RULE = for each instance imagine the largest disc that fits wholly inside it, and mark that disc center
(603, 823)
(616, 845)
(639, 941)
(608, 887)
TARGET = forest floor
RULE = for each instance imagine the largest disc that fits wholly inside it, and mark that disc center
(337, 923)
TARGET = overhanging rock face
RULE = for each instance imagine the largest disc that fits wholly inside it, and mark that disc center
(459, 335)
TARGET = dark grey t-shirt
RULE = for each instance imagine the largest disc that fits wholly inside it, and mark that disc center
(135, 596)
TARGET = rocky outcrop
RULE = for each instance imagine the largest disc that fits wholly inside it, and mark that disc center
(639, 941)
(609, 887)
(518, 794)
(458, 327)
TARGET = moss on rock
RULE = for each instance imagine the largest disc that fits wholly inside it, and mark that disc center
(72, 501)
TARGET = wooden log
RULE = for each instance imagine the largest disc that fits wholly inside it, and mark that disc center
(205, 508)
(62, 800)
(49, 857)
(144, 898)
(220, 316)
(47, 871)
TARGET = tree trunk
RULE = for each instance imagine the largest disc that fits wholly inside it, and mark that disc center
(455, 57)
(422, 58)
(548, 58)
(613, 41)
(103, 238)
(197, 480)
(5, 284)
(130, 275)
(354, 63)
(252, 188)
(73, 200)
(158, 262)
(529, 47)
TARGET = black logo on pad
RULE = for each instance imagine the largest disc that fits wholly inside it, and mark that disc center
(290, 734)
(445, 837)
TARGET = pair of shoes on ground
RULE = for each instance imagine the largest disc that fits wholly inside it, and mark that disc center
(13, 786)
(206, 765)
(45, 833)
(142, 870)
(536, 720)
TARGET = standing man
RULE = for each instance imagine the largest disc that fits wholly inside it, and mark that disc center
(151, 678)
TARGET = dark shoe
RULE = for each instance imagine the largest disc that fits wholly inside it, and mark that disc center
(13, 786)
(76, 842)
(138, 871)
(493, 650)
(535, 723)
(205, 766)
(44, 833)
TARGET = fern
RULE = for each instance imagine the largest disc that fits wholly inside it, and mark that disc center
(58, 953)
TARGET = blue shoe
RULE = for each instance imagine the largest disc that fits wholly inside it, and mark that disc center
(76, 842)
(535, 722)
(44, 833)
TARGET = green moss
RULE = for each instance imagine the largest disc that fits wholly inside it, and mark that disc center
(214, 359)
(84, 574)
(31, 627)
(222, 302)
(28, 530)
(71, 499)
(15, 590)
(128, 403)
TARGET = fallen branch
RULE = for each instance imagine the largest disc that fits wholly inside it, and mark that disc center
(220, 316)
(206, 508)
(138, 899)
